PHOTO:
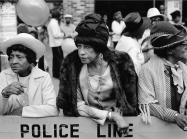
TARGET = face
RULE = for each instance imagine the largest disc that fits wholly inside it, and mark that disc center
(18, 62)
(105, 18)
(86, 53)
(155, 19)
(162, 9)
(177, 19)
(118, 17)
(180, 53)
(68, 20)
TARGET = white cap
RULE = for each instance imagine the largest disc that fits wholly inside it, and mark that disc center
(67, 15)
(152, 12)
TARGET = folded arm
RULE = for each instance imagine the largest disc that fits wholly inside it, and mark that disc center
(88, 111)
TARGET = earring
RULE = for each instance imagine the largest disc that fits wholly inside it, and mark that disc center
(100, 58)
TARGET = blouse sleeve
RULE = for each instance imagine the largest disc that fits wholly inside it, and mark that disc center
(162, 112)
(148, 104)
(88, 111)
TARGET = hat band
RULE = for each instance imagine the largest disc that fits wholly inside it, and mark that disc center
(165, 46)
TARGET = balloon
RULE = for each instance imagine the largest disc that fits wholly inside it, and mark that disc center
(33, 12)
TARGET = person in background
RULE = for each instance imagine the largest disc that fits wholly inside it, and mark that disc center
(109, 43)
(154, 15)
(22, 28)
(26, 90)
(176, 17)
(162, 84)
(118, 25)
(97, 82)
(162, 9)
(34, 32)
(68, 28)
(55, 41)
(135, 28)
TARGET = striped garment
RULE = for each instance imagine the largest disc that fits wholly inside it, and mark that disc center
(155, 91)
(167, 113)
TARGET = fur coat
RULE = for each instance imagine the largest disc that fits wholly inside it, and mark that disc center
(123, 76)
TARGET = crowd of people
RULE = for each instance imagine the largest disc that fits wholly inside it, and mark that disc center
(137, 69)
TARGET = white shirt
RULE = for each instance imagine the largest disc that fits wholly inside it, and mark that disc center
(117, 28)
(132, 47)
(68, 29)
(24, 101)
(55, 35)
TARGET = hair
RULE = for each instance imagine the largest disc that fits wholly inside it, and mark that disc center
(97, 44)
(115, 14)
(55, 14)
(30, 54)
(34, 34)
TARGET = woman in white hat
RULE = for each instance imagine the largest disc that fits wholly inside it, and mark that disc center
(25, 89)
(154, 15)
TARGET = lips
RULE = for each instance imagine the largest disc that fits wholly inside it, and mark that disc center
(83, 59)
(14, 68)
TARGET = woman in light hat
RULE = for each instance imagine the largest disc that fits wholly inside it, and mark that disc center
(97, 82)
(25, 89)
(154, 15)
(163, 79)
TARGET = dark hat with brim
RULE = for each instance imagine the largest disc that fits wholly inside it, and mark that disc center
(135, 24)
(175, 13)
(165, 35)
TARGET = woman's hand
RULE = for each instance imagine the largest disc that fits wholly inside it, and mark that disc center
(17, 112)
(181, 120)
(120, 121)
(14, 88)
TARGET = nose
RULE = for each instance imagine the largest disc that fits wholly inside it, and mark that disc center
(14, 60)
(81, 51)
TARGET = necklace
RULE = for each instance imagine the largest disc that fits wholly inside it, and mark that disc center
(97, 78)
(94, 89)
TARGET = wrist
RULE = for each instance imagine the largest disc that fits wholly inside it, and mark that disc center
(176, 116)
(109, 115)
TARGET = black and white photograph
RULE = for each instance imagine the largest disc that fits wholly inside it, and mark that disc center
(93, 69)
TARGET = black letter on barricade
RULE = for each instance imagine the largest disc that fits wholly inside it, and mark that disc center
(24, 129)
(37, 135)
(60, 131)
(109, 130)
(74, 130)
(55, 130)
(45, 131)
(98, 132)
(115, 130)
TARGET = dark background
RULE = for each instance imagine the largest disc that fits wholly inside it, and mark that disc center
(125, 6)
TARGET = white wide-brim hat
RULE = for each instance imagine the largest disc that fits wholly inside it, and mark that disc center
(26, 40)
(68, 16)
(154, 12)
